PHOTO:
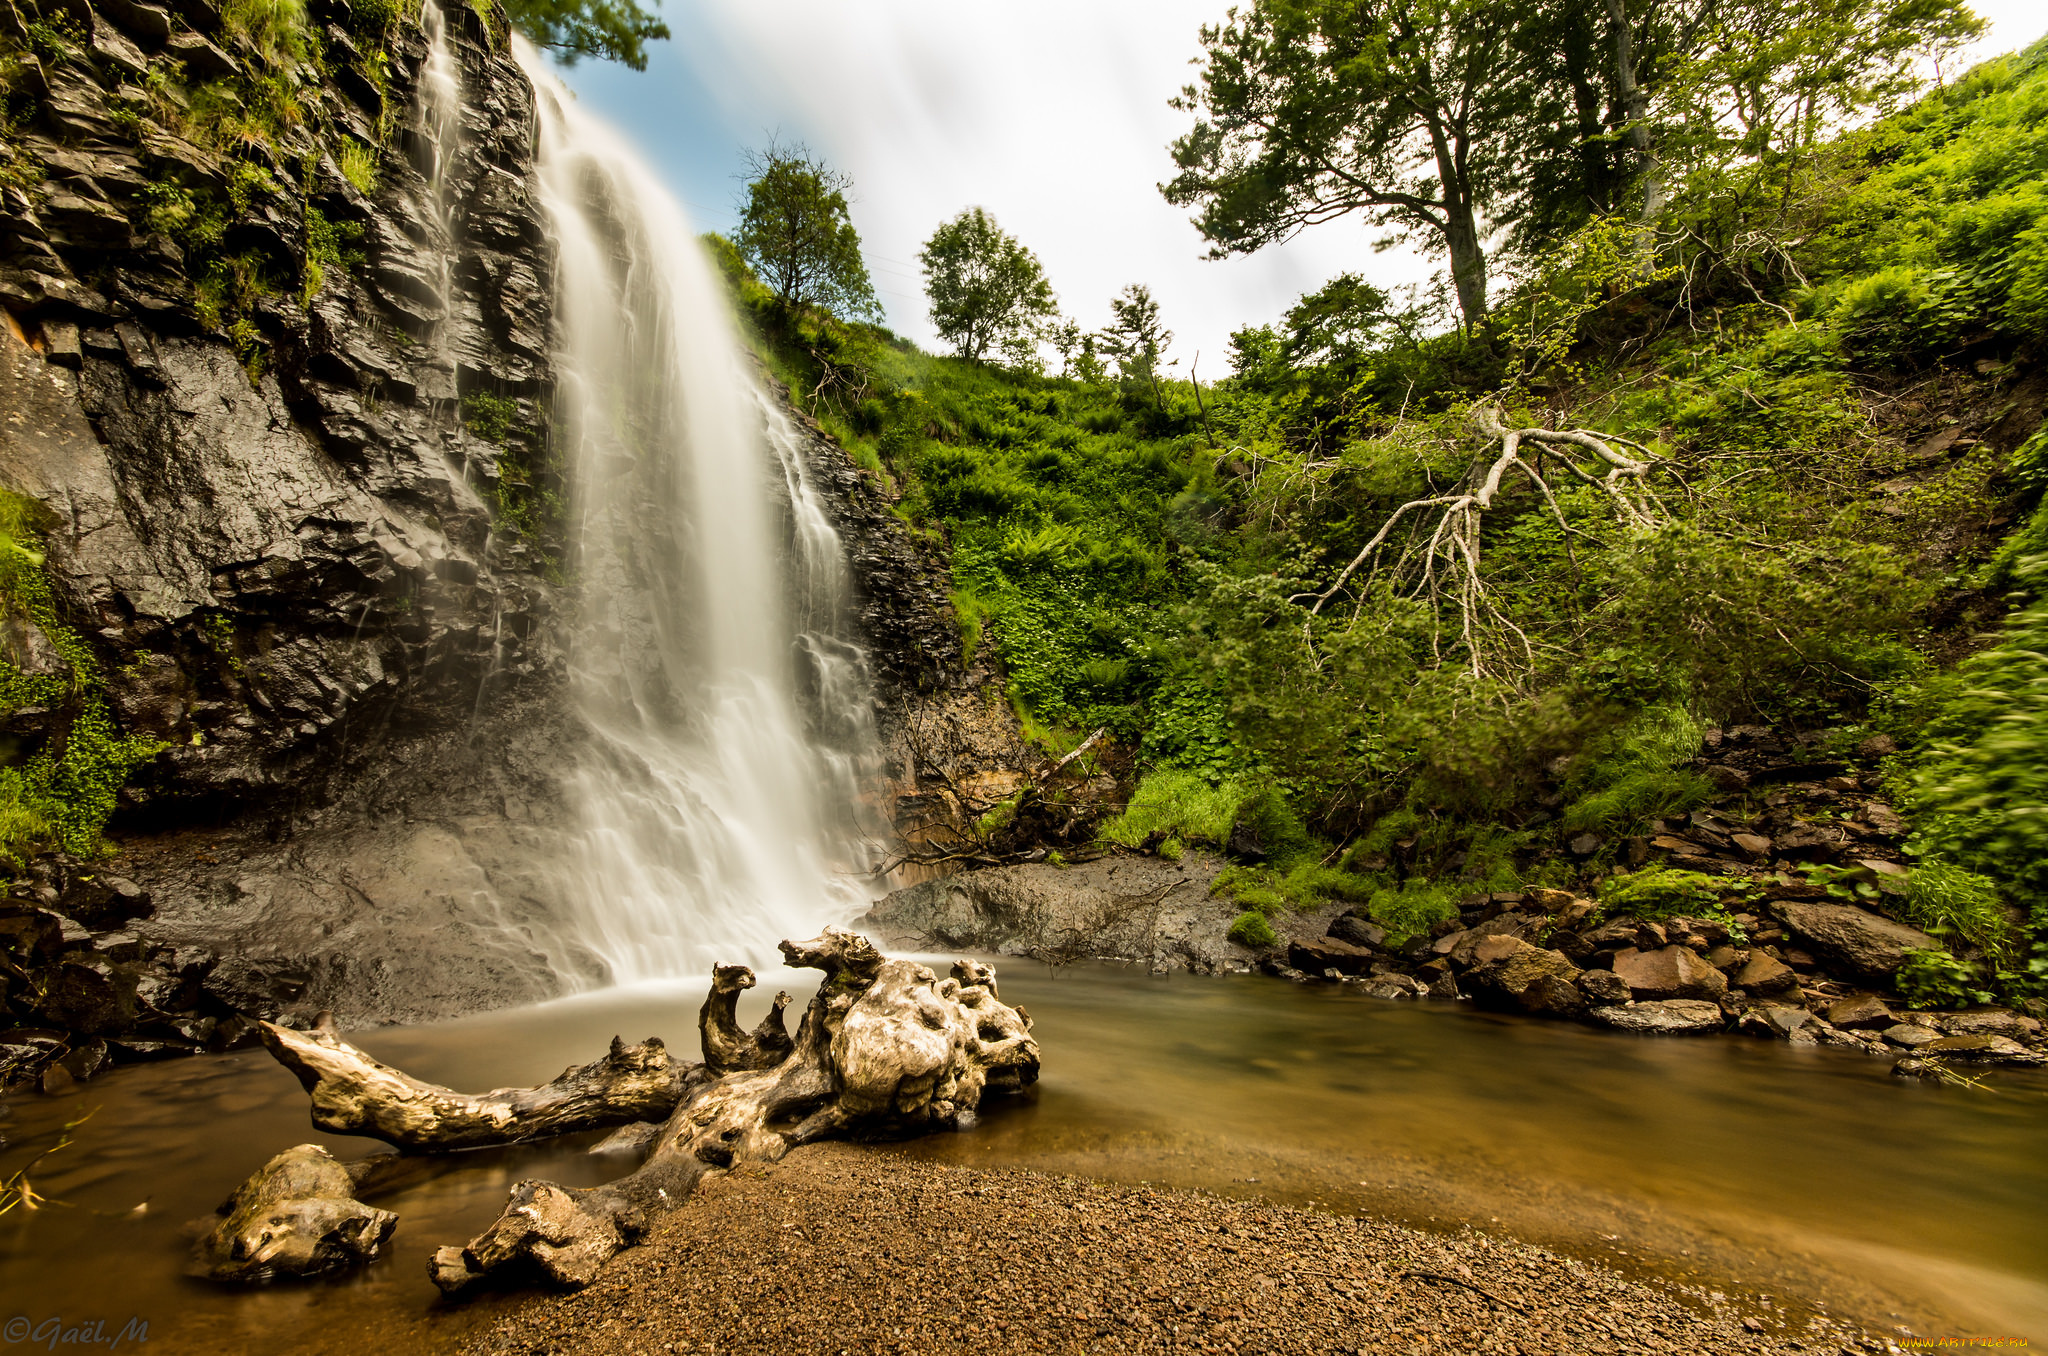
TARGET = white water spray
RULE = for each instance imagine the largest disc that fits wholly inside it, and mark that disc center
(726, 709)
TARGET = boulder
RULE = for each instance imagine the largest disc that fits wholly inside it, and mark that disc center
(1329, 953)
(1509, 973)
(1603, 988)
(1984, 1049)
(1778, 1021)
(1863, 1011)
(1358, 931)
(1667, 1017)
(1854, 939)
(90, 995)
(1460, 946)
(1909, 1037)
(1393, 986)
(1672, 972)
(1989, 1022)
(1764, 973)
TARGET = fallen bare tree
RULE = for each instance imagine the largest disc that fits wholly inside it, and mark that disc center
(885, 1049)
(1446, 558)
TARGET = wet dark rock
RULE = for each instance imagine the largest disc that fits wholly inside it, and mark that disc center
(1778, 1021)
(1763, 973)
(1981, 1049)
(1508, 972)
(105, 901)
(1359, 932)
(1864, 944)
(1666, 1017)
(1671, 972)
(1603, 988)
(93, 996)
(1330, 953)
(1862, 1011)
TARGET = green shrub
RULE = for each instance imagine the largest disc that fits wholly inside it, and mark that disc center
(1936, 979)
(1944, 899)
(1250, 928)
(1660, 892)
(1414, 907)
(1180, 804)
(358, 165)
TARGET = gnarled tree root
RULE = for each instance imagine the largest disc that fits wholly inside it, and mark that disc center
(885, 1049)
(354, 1094)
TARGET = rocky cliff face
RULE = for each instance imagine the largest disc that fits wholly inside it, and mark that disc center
(273, 511)
(274, 412)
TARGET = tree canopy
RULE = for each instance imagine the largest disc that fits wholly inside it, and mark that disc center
(987, 291)
(797, 235)
(1449, 121)
(1311, 110)
(611, 30)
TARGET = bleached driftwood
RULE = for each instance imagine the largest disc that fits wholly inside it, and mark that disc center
(886, 1048)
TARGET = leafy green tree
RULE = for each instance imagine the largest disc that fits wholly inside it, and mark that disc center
(1136, 338)
(1311, 110)
(1767, 80)
(610, 30)
(987, 292)
(796, 234)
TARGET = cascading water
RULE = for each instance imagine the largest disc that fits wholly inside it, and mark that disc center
(440, 133)
(726, 708)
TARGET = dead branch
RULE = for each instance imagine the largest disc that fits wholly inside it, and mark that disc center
(1449, 556)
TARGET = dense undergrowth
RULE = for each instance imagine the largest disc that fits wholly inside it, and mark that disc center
(1144, 561)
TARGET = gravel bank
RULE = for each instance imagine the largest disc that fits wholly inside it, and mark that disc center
(854, 1250)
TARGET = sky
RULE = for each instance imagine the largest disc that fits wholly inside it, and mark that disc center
(1053, 116)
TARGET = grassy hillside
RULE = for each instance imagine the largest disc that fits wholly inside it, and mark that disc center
(1840, 533)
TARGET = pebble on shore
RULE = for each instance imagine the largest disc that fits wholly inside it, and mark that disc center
(844, 1249)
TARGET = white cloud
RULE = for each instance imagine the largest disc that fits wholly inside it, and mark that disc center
(1051, 115)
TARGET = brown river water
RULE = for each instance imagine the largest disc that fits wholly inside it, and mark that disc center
(1809, 1177)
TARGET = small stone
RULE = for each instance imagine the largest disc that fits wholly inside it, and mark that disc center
(1908, 1037)
(1877, 746)
(1865, 1011)
(1586, 844)
(1668, 1017)
(1754, 846)
(1603, 988)
(1777, 1020)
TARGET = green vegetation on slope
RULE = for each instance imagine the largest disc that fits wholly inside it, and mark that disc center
(1148, 562)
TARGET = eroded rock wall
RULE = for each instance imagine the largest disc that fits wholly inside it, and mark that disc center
(280, 530)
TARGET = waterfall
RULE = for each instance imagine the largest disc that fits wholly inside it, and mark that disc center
(725, 707)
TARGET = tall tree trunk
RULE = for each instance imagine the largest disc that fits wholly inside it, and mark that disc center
(1635, 107)
(1468, 261)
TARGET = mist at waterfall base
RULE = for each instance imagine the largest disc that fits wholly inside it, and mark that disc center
(726, 709)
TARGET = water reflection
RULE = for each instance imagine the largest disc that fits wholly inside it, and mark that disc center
(1791, 1172)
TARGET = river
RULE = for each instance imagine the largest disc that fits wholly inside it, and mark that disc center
(1808, 1176)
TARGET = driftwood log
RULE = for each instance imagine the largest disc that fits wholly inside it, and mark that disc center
(296, 1216)
(885, 1049)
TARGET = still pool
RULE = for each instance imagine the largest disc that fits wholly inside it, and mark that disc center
(1809, 1176)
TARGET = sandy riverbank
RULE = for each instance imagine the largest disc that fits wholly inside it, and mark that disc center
(849, 1249)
